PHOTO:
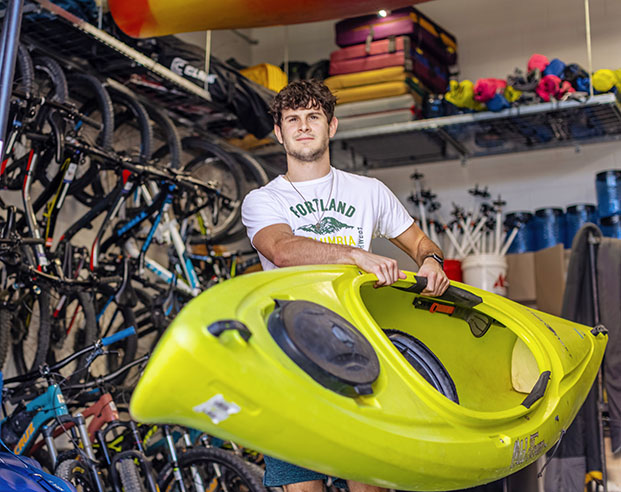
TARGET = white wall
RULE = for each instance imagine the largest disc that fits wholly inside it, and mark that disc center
(494, 37)
(224, 44)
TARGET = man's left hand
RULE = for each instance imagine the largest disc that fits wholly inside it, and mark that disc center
(437, 281)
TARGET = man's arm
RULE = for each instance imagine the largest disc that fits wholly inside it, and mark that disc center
(419, 247)
(279, 245)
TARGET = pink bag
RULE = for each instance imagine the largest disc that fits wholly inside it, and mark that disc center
(538, 62)
(548, 87)
(486, 89)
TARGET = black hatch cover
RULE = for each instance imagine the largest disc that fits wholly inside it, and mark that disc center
(326, 346)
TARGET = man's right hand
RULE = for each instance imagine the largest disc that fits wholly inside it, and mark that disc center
(386, 269)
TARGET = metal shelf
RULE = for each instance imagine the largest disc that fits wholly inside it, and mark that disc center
(54, 31)
(518, 129)
(465, 136)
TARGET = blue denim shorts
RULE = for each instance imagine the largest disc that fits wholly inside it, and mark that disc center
(279, 473)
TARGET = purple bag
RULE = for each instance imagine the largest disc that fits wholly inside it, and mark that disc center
(392, 52)
(408, 21)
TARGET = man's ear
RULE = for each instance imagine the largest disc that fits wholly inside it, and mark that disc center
(278, 133)
(334, 123)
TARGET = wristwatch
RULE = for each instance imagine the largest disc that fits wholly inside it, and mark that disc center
(436, 257)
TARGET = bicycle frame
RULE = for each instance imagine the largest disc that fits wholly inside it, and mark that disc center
(48, 406)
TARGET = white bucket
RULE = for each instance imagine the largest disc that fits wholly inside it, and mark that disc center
(486, 271)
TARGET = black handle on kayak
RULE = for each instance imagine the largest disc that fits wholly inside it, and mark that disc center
(219, 327)
(454, 294)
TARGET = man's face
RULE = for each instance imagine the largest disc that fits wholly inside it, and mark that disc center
(305, 133)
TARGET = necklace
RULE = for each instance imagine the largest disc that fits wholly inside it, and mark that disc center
(317, 225)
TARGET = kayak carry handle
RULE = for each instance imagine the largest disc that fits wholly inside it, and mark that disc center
(219, 327)
(460, 297)
(538, 390)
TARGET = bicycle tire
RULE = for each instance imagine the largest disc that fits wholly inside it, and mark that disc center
(132, 126)
(425, 362)
(23, 79)
(166, 133)
(59, 91)
(66, 336)
(254, 177)
(151, 321)
(130, 476)
(75, 473)
(213, 161)
(93, 100)
(25, 336)
(237, 476)
(5, 334)
(91, 95)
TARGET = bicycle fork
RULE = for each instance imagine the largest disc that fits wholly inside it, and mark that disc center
(197, 481)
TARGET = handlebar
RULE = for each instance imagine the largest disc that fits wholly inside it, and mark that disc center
(109, 377)
(91, 282)
(109, 340)
(68, 109)
(45, 370)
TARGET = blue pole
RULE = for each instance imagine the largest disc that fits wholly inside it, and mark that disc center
(8, 54)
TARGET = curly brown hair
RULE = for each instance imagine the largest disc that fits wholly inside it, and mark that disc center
(303, 94)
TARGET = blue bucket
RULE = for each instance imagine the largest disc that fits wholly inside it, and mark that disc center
(611, 226)
(608, 188)
(575, 217)
(524, 239)
(549, 227)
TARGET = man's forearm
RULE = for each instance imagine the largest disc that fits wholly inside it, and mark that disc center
(299, 250)
(426, 247)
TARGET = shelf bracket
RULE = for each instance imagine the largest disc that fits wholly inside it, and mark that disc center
(461, 150)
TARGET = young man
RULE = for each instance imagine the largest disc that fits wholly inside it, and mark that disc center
(315, 214)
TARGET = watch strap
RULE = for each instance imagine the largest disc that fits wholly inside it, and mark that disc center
(436, 257)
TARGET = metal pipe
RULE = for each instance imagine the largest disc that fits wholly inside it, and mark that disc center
(8, 52)
(587, 21)
(592, 240)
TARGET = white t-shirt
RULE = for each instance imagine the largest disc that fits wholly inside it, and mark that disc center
(358, 209)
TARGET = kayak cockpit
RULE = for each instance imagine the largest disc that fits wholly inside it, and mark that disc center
(490, 367)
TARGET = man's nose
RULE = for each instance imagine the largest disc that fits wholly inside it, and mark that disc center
(304, 126)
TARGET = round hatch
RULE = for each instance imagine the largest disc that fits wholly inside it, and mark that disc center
(326, 346)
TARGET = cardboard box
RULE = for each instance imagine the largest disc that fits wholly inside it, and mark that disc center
(550, 276)
(521, 277)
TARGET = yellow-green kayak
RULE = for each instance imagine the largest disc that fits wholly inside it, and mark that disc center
(315, 366)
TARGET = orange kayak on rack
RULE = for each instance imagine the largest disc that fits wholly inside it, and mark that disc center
(146, 18)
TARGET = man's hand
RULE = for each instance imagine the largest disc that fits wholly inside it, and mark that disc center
(386, 269)
(437, 281)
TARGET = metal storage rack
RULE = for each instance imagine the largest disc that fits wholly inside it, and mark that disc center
(466, 136)
(53, 30)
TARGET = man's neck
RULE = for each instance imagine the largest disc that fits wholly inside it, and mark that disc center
(306, 171)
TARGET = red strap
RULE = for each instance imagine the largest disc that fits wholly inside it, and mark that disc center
(441, 308)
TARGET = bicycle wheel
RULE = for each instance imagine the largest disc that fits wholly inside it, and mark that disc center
(219, 167)
(151, 320)
(254, 176)
(166, 140)
(210, 469)
(132, 135)
(6, 321)
(30, 330)
(47, 80)
(24, 71)
(74, 472)
(130, 476)
(92, 100)
(73, 326)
